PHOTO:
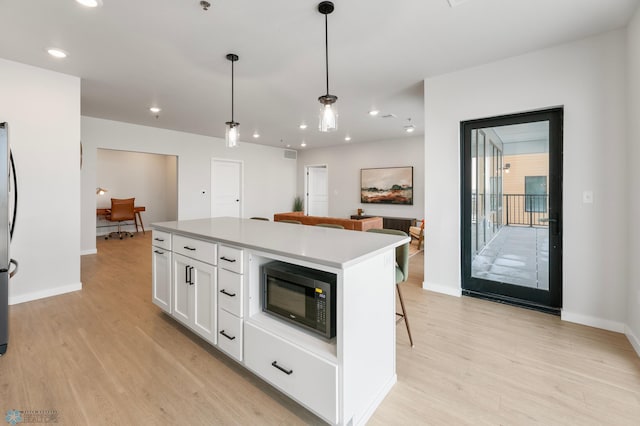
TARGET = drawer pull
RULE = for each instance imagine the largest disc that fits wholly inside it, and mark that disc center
(228, 260)
(190, 248)
(226, 335)
(223, 291)
(284, 370)
(159, 239)
(158, 251)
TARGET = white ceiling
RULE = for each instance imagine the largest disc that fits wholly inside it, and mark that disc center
(132, 54)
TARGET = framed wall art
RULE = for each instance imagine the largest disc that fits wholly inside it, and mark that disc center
(387, 185)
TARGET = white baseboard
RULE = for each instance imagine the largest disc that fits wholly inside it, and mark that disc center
(444, 289)
(44, 293)
(592, 321)
(633, 339)
(90, 251)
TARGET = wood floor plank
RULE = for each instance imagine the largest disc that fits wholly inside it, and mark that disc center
(106, 355)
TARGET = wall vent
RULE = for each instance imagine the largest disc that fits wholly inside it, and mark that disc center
(290, 153)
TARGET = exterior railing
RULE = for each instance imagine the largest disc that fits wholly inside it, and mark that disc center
(526, 209)
(517, 209)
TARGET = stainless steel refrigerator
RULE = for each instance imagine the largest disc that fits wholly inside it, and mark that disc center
(8, 199)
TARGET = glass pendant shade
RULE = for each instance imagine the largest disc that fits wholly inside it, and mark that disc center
(232, 134)
(328, 118)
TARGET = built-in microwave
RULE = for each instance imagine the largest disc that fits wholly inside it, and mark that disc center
(303, 296)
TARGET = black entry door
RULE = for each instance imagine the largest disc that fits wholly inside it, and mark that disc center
(512, 208)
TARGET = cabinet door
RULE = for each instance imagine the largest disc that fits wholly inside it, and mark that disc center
(161, 272)
(204, 300)
(182, 276)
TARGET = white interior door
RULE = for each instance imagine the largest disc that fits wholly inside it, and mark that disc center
(317, 191)
(226, 188)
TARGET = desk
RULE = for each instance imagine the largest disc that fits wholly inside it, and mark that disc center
(136, 210)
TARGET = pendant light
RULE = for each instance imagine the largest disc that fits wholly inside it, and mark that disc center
(328, 114)
(232, 133)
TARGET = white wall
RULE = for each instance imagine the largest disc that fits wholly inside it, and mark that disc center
(633, 177)
(344, 164)
(269, 178)
(587, 77)
(43, 112)
(147, 177)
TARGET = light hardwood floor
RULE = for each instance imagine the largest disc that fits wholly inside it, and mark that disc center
(107, 355)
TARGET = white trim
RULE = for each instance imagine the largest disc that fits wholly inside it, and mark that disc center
(44, 293)
(633, 339)
(89, 251)
(592, 321)
(444, 289)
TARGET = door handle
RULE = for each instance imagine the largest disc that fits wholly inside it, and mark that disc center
(15, 271)
(191, 275)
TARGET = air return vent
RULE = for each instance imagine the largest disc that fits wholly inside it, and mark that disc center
(290, 153)
(389, 116)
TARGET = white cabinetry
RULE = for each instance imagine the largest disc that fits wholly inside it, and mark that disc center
(305, 377)
(161, 270)
(194, 286)
(230, 300)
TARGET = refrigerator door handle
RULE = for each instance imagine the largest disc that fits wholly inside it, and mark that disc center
(15, 271)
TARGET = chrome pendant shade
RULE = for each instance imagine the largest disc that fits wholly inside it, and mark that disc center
(328, 120)
(232, 132)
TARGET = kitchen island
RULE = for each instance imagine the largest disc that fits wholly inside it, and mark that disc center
(207, 275)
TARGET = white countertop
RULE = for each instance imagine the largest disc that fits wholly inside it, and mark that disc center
(326, 246)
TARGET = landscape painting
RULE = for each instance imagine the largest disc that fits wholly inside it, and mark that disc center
(390, 185)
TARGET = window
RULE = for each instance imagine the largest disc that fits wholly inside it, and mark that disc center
(535, 189)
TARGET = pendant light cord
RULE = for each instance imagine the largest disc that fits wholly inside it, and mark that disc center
(326, 49)
(232, 120)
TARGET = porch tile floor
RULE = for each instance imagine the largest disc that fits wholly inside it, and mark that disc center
(516, 255)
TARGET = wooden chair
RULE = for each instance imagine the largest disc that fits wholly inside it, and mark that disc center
(417, 233)
(402, 273)
(259, 218)
(330, 225)
(121, 210)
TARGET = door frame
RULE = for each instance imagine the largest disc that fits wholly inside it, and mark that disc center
(537, 300)
(306, 184)
(240, 182)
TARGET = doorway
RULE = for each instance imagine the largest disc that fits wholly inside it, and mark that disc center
(226, 188)
(512, 209)
(316, 190)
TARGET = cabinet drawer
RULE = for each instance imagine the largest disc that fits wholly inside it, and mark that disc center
(230, 334)
(196, 249)
(161, 239)
(230, 292)
(230, 258)
(308, 379)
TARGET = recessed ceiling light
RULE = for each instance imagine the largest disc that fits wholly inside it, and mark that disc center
(155, 110)
(303, 126)
(256, 135)
(288, 145)
(303, 144)
(347, 138)
(409, 129)
(374, 112)
(57, 53)
(90, 3)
